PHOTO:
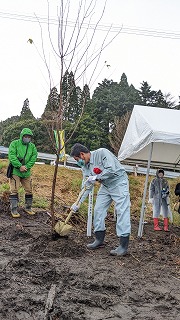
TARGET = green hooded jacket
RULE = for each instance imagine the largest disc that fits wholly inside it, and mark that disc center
(17, 151)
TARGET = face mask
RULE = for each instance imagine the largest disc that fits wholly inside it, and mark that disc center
(81, 163)
(26, 140)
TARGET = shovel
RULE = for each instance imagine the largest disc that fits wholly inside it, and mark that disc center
(63, 228)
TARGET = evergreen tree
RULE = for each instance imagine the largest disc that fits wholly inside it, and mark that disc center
(40, 135)
(152, 98)
(124, 86)
(86, 92)
(6, 123)
(170, 101)
(177, 107)
(26, 112)
(145, 93)
(12, 132)
(52, 104)
(88, 133)
(127, 95)
(110, 100)
(71, 98)
(104, 105)
(158, 100)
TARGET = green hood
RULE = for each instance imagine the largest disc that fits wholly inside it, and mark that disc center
(25, 131)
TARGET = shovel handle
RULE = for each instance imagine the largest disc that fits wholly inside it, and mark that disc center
(77, 202)
(80, 195)
(68, 217)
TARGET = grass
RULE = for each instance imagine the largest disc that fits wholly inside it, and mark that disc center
(3, 165)
(40, 203)
(76, 184)
(68, 186)
(4, 187)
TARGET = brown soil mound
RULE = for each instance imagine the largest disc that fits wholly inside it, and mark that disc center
(63, 280)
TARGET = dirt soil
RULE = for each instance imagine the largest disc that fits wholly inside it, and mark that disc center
(45, 279)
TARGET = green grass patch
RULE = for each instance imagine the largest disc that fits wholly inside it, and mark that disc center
(3, 165)
(37, 202)
(176, 218)
(76, 184)
(133, 181)
(21, 192)
(40, 203)
(4, 187)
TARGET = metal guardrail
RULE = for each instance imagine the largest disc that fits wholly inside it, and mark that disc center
(154, 164)
(71, 164)
(142, 170)
(3, 150)
(41, 155)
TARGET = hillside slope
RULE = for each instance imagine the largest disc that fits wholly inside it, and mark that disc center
(63, 280)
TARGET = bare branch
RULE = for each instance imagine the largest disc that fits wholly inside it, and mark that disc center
(74, 56)
(118, 132)
(52, 45)
(99, 52)
(77, 123)
(44, 56)
(92, 37)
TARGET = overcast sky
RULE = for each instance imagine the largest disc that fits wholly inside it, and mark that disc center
(147, 49)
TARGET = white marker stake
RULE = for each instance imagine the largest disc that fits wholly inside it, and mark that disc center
(90, 213)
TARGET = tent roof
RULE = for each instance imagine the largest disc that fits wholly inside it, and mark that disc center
(150, 124)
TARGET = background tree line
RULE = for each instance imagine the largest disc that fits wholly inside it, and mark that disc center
(105, 117)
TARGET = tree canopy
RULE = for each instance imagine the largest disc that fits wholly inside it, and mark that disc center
(104, 120)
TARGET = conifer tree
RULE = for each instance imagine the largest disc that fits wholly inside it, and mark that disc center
(52, 105)
(26, 112)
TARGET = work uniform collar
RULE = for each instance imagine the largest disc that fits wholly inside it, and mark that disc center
(91, 157)
(90, 160)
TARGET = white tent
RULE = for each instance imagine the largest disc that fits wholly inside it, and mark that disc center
(152, 137)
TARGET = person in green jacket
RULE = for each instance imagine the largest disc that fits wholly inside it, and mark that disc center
(22, 155)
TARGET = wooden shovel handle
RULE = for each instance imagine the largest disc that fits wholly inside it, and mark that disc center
(80, 195)
(68, 217)
(77, 202)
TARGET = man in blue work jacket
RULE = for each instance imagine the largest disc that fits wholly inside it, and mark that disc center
(103, 166)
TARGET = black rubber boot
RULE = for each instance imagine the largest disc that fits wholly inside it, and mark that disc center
(14, 205)
(99, 239)
(28, 203)
(122, 249)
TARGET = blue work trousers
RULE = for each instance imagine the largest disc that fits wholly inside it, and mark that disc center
(120, 195)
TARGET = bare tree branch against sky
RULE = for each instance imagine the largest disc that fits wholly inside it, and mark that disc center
(147, 48)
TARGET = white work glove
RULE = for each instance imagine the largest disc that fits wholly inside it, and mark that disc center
(151, 200)
(75, 207)
(90, 180)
